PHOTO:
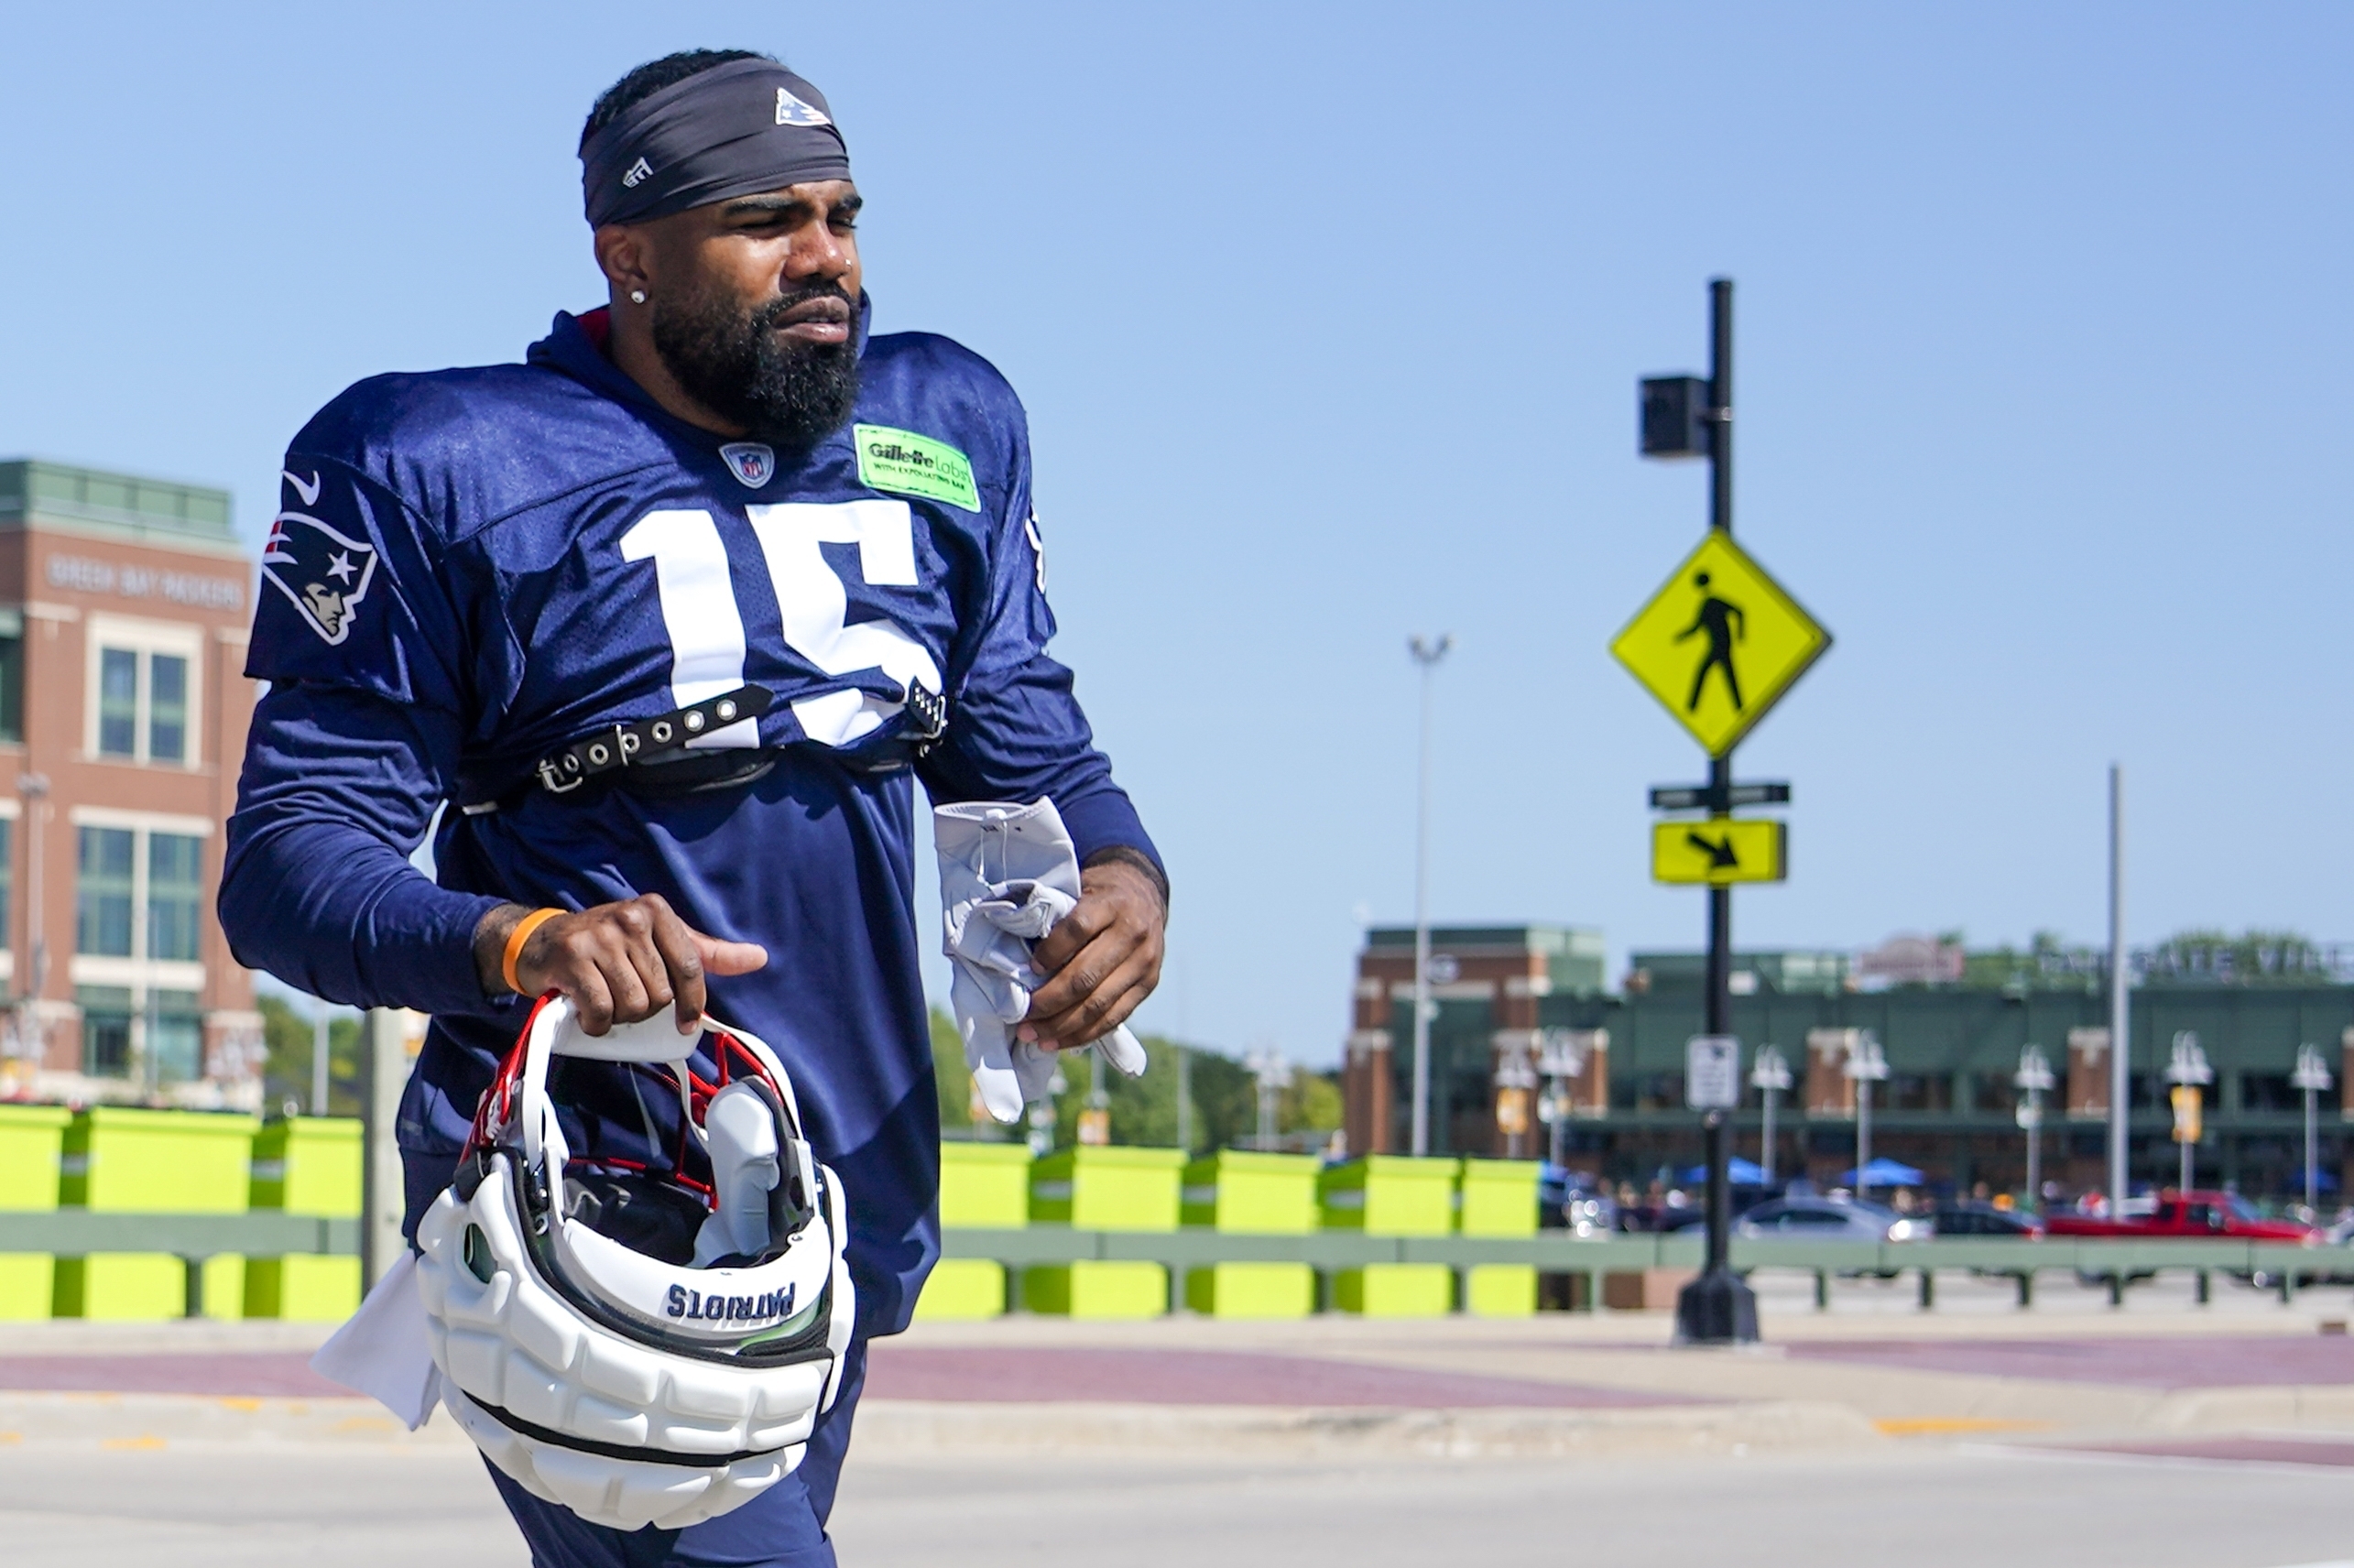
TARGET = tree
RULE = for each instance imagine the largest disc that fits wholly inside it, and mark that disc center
(1144, 1110)
(285, 1075)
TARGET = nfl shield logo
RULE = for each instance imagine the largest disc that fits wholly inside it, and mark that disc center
(749, 461)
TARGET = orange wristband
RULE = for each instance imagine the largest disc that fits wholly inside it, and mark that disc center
(514, 940)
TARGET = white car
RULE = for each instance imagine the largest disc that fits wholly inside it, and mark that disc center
(1830, 1219)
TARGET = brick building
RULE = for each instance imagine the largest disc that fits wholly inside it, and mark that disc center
(1952, 1026)
(1488, 987)
(124, 608)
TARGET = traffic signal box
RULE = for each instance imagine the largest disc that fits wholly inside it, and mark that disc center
(124, 1160)
(1388, 1195)
(983, 1186)
(1245, 1194)
(306, 1165)
(1098, 1187)
(1499, 1198)
(32, 1138)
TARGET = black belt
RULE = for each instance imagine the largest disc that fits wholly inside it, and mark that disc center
(650, 755)
(648, 743)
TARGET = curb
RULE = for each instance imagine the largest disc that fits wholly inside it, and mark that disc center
(906, 1428)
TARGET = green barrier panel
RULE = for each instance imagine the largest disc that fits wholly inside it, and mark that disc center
(1254, 1291)
(1245, 1192)
(122, 1159)
(1500, 1290)
(985, 1185)
(1390, 1194)
(1097, 1290)
(1091, 1186)
(158, 1163)
(302, 1288)
(1094, 1187)
(1395, 1291)
(32, 1141)
(1499, 1197)
(306, 1165)
(962, 1289)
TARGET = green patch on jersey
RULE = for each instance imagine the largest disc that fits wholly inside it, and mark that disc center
(914, 466)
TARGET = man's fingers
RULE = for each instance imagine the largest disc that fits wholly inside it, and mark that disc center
(1077, 975)
(1105, 1004)
(681, 950)
(730, 957)
(624, 962)
(591, 1001)
(1074, 931)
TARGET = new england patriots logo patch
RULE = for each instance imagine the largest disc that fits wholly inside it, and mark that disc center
(322, 571)
(750, 462)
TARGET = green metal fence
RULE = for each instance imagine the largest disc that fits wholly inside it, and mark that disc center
(72, 1233)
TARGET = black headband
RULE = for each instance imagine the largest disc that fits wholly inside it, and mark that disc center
(737, 128)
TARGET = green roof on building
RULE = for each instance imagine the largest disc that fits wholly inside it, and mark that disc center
(121, 505)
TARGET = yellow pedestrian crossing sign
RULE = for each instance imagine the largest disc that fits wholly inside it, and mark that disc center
(1720, 851)
(1719, 643)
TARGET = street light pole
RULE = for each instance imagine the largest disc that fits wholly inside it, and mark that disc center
(2187, 1072)
(2034, 1078)
(2121, 1081)
(1427, 655)
(2312, 1076)
(1770, 1077)
(1867, 1064)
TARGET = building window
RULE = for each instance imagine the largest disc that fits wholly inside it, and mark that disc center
(12, 675)
(118, 702)
(176, 1036)
(166, 708)
(175, 894)
(105, 1030)
(104, 894)
(143, 695)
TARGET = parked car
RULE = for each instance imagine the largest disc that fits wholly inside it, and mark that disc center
(2193, 1215)
(1984, 1219)
(1566, 1201)
(1830, 1219)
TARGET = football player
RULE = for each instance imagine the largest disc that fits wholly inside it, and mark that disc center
(672, 616)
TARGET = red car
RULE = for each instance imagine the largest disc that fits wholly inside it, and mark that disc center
(2193, 1215)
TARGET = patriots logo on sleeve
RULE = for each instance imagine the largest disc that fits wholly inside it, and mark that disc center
(324, 572)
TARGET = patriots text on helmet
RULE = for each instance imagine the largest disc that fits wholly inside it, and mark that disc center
(689, 1303)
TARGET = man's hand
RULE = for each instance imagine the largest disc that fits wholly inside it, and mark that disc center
(1105, 957)
(616, 963)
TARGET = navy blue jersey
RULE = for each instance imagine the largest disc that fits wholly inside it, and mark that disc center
(473, 568)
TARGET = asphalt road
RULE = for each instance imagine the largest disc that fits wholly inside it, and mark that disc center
(361, 1506)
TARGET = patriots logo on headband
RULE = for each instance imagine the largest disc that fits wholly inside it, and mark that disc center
(322, 571)
(791, 111)
(750, 462)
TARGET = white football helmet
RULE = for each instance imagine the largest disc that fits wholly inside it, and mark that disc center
(670, 1376)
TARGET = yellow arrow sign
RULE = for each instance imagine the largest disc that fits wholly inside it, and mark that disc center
(1720, 643)
(1720, 851)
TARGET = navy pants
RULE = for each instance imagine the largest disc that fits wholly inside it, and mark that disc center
(784, 1527)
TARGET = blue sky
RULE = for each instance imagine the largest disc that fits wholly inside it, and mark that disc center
(1328, 318)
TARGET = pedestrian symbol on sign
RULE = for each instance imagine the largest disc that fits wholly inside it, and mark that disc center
(1719, 643)
(1723, 621)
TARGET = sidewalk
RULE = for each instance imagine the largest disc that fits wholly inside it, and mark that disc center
(2162, 1375)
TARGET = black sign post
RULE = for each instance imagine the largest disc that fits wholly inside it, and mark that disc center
(1718, 1308)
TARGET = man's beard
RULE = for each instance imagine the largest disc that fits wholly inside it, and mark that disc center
(789, 394)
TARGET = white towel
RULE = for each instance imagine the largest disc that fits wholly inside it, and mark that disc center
(383, 1350)
(1008, 874)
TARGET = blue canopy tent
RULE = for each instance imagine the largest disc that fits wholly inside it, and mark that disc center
(1883, 1173)
(1740, 1173)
